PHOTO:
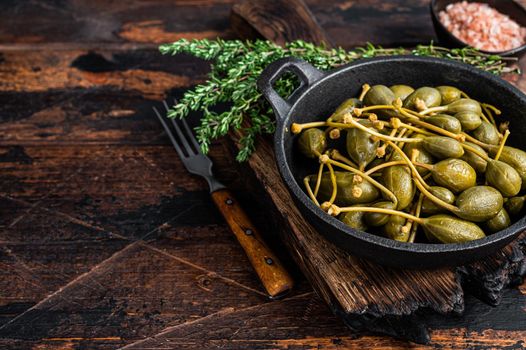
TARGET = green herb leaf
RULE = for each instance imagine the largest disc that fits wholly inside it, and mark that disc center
(238, 64)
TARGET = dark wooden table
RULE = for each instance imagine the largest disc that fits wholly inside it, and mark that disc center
(105, 240)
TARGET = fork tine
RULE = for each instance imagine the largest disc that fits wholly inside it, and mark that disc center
(188, 131)
(183, 138)
(191, 136)
(170, 134)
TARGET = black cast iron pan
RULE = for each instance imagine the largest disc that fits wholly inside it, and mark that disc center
(321, 92)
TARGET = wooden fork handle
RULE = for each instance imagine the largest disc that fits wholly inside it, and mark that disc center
(271, 272)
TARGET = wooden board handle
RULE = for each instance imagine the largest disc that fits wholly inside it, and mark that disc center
(271, 272)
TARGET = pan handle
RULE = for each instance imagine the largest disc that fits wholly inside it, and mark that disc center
(305, 72)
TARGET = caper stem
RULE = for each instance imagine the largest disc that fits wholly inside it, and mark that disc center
(421, 184)
(385, 165)
(318, 179)
(359, 111)
(434, 109)
(493, 108)
(336, 155)
(375, 183)
(501, 147)
(475, 141)
(413, 113)
(489, 118)
(476, 151)
(365, 87)
(382, 211)
(463, 94)
(333, 182)
(372, 132)
(432, 127)
(309, 190)
(423, 165)
(412, 235)
(415, 129)
(296, 128)
(400, 134)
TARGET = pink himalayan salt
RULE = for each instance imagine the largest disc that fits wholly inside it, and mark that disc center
(482, 27)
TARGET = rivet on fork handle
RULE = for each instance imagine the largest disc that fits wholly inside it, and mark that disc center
(271, 272)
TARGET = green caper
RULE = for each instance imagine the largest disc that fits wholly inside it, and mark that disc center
(462, 105)
(443, 147)
(445, 122)
(353, 219)
(449, 229)
(477, 162)
(479, 203)
(423, 157)
(360, 147)
(393, 229)
(514, 157)
(514, 205)
(487, 133)
(346, 107)
(378, 219)
(469, 120)
(503, 177)
(454, 174)
(312, 142)
(349, 191)
(430, 208)
(379, 95)
(399, 181)
(498, 222)
(449, 94)
(430, 97)
(401, 91)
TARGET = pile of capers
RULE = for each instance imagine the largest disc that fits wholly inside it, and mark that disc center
(424, 165)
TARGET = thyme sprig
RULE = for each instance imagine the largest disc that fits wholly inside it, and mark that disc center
(238, 64)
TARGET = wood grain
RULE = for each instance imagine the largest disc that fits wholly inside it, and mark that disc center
(271, 272)
(86, 172)
(275, 21)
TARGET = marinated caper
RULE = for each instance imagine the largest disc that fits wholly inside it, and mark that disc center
(514, 157)
(454, 174)
(469, 120)
(514, 205)
(430, 208)
(477, 162)
(361, 147)
(487, 133)
(449, 229)
(312, 142)
(479, 203)
(349, 191)
(449, 94)
(401, 91)
(354, 219)
(394, 229)
(399, 181)
(445, 122)
(378, 219)
(443, 147)
(379, 95)
(429, 97)
(346, 107)
(503, 177)
(498, 222)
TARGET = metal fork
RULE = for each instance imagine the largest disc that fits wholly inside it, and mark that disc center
(271, 272)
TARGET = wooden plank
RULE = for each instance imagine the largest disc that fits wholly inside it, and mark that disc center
(366, 295)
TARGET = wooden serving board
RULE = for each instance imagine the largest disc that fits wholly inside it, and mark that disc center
(365, 295)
